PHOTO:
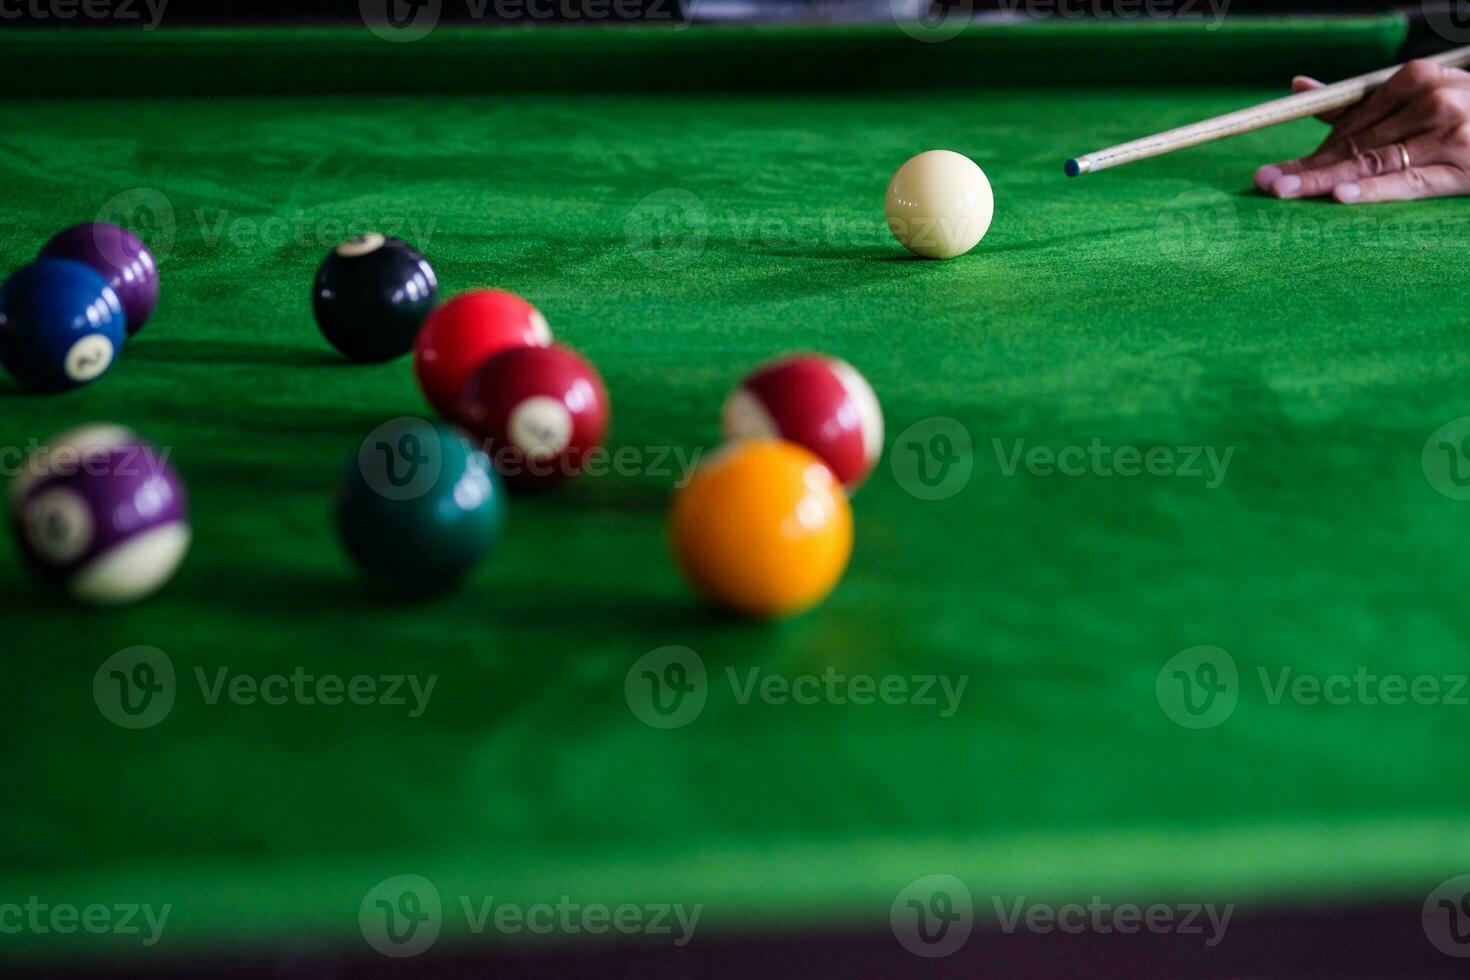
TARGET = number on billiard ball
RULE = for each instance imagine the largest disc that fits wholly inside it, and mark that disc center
(371, 296)
(537, 412)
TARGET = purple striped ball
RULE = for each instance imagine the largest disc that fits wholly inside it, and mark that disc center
(100, 513)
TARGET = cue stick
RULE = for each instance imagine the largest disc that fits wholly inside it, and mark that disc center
(1338, 95)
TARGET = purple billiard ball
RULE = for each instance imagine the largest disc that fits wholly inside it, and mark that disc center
(100, 513)
(120, 257)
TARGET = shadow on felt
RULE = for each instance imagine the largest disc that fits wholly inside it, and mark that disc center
(170, 351)
(297, 596)
(589, 494)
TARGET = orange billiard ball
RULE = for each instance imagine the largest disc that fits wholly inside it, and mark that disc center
(763, 528)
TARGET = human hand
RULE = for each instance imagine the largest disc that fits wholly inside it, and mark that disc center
(1409, 139)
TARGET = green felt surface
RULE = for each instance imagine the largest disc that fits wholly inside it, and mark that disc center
(1161, 304)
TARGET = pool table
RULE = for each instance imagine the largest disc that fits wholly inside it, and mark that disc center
(1156, 431)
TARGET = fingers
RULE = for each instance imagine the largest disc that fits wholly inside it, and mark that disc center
(1420, 98)
(1431, 110)
(1270, 173)
(1439, 108)
(1267, 176)
(1305, 83)
(1413, 184)
(1413, 79)
(1317, 181)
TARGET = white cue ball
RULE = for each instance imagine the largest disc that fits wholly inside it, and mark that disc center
(939, 204)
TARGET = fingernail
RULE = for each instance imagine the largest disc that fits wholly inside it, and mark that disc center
(1287, 185)
(1348, 192)
(1267, 176)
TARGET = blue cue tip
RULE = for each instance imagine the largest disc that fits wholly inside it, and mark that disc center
(1073, 169)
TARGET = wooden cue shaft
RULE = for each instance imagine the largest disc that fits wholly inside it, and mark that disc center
(1338, 95)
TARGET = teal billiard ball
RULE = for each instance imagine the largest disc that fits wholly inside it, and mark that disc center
(419, 506)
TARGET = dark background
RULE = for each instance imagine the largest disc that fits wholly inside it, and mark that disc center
(47, 13)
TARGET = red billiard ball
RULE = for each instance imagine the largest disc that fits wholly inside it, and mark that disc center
(537, 410)
(820, 403)
(466, 332)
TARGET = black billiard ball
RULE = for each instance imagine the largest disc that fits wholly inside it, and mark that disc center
(371, 295)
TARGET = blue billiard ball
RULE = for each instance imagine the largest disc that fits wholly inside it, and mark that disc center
(419, 506)
(61, 325)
